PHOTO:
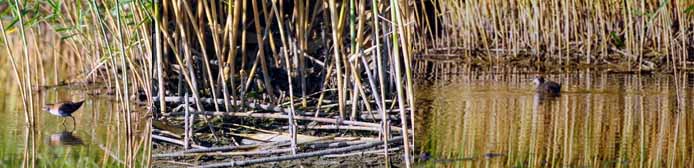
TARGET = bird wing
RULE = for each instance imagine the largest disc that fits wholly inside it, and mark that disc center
(70, 107)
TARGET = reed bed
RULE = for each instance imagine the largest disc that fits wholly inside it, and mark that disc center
(53, 43)
(646, 35)
(310, 72)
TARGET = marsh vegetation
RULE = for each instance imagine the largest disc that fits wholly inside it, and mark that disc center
(625, 69)
(54, 51)
(248, 82)
(316, 83)
(612, 35)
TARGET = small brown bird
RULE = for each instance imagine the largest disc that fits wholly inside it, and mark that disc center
(63, 109)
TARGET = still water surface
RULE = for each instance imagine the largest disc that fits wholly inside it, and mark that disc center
(600, 120)
(96, 139)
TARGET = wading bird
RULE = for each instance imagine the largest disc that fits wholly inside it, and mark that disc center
(63, 109)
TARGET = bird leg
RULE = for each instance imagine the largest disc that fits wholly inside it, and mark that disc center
(74, 123)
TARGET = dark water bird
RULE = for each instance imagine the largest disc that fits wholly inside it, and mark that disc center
(63, 109)
(547, 88)
(493, 155)
(424, 156)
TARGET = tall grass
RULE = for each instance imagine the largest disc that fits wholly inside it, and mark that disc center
(85, 36)
(634, 35)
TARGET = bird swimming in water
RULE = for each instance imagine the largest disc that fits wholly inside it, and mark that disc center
(63, 109)
(547, 88)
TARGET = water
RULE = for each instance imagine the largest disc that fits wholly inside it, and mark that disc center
(600, 120)
(97, 139)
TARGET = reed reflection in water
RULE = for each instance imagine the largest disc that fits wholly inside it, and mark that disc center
(600, 120)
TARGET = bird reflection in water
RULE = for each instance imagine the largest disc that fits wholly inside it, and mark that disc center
(65, 138)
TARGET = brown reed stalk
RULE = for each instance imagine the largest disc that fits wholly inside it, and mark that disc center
(17, 74)
(285, 51)
(231, 58)
(27, 84)
(261, 53)
(126, 100)
(336, 54)
(375, 12)
(396, 56)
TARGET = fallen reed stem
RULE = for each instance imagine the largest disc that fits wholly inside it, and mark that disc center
(301, 155)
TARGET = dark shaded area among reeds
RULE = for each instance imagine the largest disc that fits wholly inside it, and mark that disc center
(646, 35)
(331, 71)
